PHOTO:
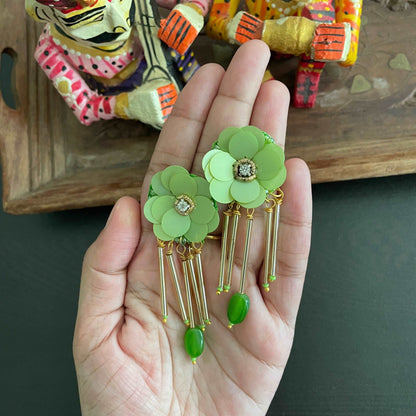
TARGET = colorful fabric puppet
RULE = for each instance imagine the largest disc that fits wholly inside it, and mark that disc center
(318, 30)
(106, 57)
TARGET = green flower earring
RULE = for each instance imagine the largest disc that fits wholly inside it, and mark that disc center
(245, 168)
(182, 212)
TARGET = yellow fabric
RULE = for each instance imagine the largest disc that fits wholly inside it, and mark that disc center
(291, 35)
(122, 102)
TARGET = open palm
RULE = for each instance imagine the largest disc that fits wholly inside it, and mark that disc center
(128, 362)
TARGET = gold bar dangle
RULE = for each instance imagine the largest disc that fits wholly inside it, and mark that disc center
(174, 276)
(234, 226)
(250, 214)
(163, 304)
(278, 197)
(266, 265)
(224, 246)
(194, 284)
(187, 287)
(198, 261)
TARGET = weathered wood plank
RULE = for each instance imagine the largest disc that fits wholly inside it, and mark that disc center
(362, 126)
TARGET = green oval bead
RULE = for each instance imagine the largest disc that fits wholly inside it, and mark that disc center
(238, 308)
(194, 342)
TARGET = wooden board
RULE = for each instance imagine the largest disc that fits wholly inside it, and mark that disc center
(51, 162)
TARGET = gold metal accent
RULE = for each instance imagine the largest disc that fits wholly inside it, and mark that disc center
(213, 237)
(278, 197)
(250, 213)
(163, 304)
(266, 263)
(188, 292)
(236, 215)
(197, 252)
(188, 200)
(174, 276)
(224, 241)
(237, 170)
(194, 284)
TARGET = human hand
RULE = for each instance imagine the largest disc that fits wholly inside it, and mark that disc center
(128, 362)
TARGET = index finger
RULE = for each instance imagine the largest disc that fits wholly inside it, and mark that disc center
(233, 105)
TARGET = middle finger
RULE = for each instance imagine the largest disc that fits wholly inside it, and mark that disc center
(233, 105)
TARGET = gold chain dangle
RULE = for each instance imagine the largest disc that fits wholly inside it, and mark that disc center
(183, 212)
(164, 309)
(245, 168)
(175, 280)
(278, 196)
(197, 251)
(231, 248)
(224, 248)
(269, 209)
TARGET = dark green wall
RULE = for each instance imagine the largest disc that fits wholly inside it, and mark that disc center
(354, 351)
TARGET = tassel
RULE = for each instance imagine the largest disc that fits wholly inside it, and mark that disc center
(278, 197)
(224, 246)
(175, 280)
(187, 287)
(236, 215)
(250, 214)
(198, 261)
(163, 303)
(266, 263)
(194, 285)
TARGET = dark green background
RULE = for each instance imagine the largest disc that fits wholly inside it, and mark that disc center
(354, 350)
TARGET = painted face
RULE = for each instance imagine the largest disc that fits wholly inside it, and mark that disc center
(102, 23)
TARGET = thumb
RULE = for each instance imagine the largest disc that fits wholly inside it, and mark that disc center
(104, 273)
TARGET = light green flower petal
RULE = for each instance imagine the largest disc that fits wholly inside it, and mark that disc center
(174, 224)
(208, 175)
(169, 172)
(274, 183)
(245, 191)
(214, 223)
(221, 166)
(147, 210)
(161, 205)
(196, 232)
(225, 136)
(220, 191)
(268, 161)
(203, 186)
(258, 201)
(258, 133)
(157, 185)
(208, 156)
(243, 145)
(204, 210)
(160, 234)
(182, 183)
